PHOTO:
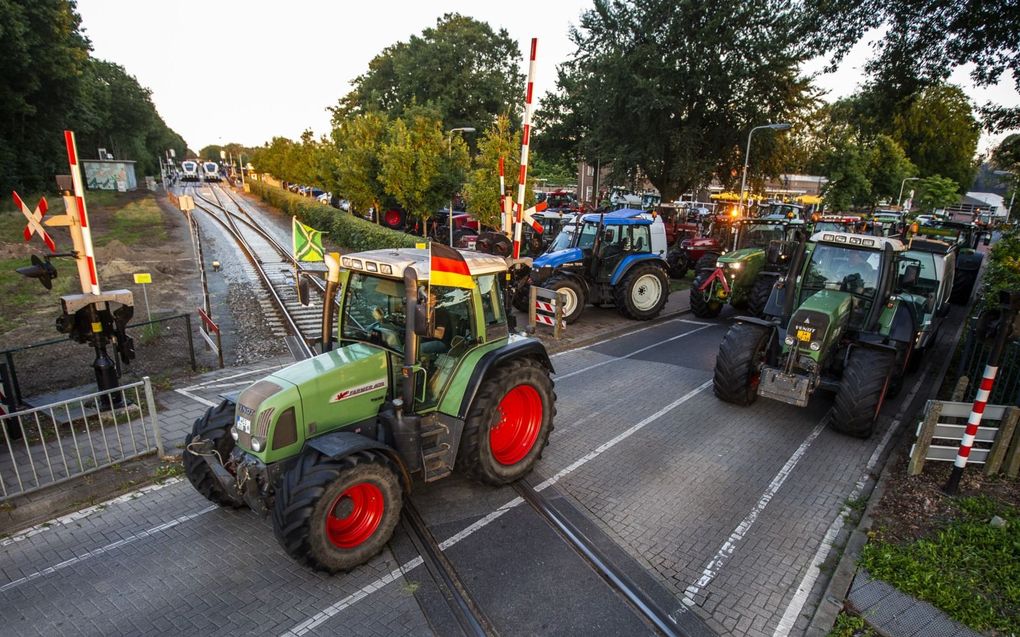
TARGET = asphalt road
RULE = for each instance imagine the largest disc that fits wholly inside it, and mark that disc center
(727, 512)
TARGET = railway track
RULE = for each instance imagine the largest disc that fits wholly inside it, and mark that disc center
(275, 267)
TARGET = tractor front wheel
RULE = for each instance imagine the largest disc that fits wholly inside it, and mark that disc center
(574, 293)
(643, 292)
(701, 304)
(337, 513)
(738, 365)
(214, 426)
(963, 285)
(865, 385)
(509, 423)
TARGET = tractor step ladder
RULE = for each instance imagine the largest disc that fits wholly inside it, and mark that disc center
(435, 450)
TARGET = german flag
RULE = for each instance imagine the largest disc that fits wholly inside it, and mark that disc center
(447, 267)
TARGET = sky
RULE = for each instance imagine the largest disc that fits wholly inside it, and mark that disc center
(226, 71)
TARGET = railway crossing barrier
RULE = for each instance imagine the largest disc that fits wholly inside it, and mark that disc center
(54, 443)
(997, 446)
(546, 308)
(208, 327)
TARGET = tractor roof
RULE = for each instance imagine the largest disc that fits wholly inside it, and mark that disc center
(857, 240)
(400, 259)
(622, 217)
(930, 244)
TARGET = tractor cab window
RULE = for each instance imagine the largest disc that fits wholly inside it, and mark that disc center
(374, 311)
(928, 279)
(641, 239)
(565, 238)
(452, 318)
(491, 293)
(846, 270)
(758, 235)
(588, 233)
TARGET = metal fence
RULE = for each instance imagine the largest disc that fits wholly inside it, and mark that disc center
(972, 358)
(162, 345)
(47, 445)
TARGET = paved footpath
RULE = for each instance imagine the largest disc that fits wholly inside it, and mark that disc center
(731, 510)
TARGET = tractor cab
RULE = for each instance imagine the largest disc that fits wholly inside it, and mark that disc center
(777, 209)
(835, 223)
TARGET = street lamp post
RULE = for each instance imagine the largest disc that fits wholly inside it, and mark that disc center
(449, 152)
(899, 199)
(743, 179)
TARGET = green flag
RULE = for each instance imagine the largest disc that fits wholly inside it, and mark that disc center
(307, 242)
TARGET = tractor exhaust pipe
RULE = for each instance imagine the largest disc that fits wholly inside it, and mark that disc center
(332, 260)
(412, 327)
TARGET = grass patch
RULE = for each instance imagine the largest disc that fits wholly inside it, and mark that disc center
(138, 220)
(24, 296)
(851, 626)
(968, 568)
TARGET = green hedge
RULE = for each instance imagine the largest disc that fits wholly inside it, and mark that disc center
(343, 229)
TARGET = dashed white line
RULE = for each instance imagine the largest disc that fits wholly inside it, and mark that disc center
(613, 338)
(637, 351)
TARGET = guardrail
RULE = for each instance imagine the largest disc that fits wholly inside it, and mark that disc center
(997, 445)
(54, 443)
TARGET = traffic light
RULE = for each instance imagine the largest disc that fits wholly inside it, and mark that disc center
(42, 270)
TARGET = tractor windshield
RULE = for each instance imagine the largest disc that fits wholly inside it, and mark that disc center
(758, 235)
(374, 311)
(565, 238)
(843, 269)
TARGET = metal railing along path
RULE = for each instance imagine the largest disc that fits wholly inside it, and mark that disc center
(53, 443)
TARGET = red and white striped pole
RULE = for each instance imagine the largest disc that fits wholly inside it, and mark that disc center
(1008, 314)
(81, 234)
(504, 215)
(525, 140)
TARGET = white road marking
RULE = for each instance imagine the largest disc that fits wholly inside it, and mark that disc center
(730, 545)
(635, 352)
(800, 597)
(613, 338)
(198, 399)
(218, 383)
(106, 549)
(84, 513)
(322, 616)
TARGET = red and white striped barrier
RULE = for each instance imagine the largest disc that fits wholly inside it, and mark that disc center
(525, 141)
(83, 216)
(543, 306)
(545, 320)
(976, 413)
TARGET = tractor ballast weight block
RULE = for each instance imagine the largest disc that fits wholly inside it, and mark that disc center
(793, 389)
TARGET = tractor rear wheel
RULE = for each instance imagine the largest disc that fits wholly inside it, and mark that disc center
(866, 381)
(337, 513)
(643, 292)
(509, 423)
(963, 285)
(574, 292)
(759, 294)
(214, 425)
(701, 305)
(743, 350)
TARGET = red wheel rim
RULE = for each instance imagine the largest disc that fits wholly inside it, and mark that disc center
(392, 218)
(520, 421)
(355, 515)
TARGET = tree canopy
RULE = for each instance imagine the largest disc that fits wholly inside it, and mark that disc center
(667, 88)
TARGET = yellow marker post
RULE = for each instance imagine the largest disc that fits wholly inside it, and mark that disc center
(141, 278)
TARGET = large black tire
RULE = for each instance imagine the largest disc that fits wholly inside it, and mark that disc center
(643, 292)
(759, 294)
(509, 423)
(743, 350)
(214, 425)
(317, 490)
(963, 285)
(701, 305)
(706, 263)
(677, 262)
(862, 391)
(576, 298)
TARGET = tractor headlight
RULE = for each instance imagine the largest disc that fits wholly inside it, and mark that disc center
(234, 434)
(789, 340)
(815, 346)
(256, 444)
(720, 264)
(736, 265)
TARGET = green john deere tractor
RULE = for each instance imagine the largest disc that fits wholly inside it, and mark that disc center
(417, 380)
(744, 277)
(846, 318)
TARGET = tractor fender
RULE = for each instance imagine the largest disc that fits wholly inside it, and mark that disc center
(902, 326)
(970, 261)
(339, 444)
(629, 261)
(757, 321)
(524, 348)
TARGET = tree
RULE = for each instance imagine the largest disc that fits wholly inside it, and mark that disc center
(415, 166)
(937, 192)
(482, 188)
(667, 89)
(462, 68)
(888, 166)
(846, 165)
(358, 141)
(939, 133)
(1006, 155)
(927, 39)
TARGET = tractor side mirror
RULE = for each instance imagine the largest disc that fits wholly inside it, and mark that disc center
(42, 270)
(421, 321)
(910, 275)
(987, 240)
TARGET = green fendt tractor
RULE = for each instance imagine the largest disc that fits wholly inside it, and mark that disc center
(744, 277)
(421, 378)
(845, 318)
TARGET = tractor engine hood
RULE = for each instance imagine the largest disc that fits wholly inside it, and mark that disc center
(558, 258)
(818, 323)
(342, 387)
(740, 256)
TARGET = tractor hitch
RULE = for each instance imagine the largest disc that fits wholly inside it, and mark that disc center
(793, 389)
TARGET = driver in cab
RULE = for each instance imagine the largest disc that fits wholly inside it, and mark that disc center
(859, 272)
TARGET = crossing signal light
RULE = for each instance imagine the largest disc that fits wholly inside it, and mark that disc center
(42, 270)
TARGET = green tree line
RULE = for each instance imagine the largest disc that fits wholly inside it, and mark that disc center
(50, 83)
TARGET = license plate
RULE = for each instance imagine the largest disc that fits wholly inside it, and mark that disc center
(243, 425)
(803, 335)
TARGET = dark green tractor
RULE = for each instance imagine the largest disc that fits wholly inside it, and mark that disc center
(744, 276)
(414, 381)
(846, 318)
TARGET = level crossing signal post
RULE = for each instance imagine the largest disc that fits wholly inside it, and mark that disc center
(94, 317)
